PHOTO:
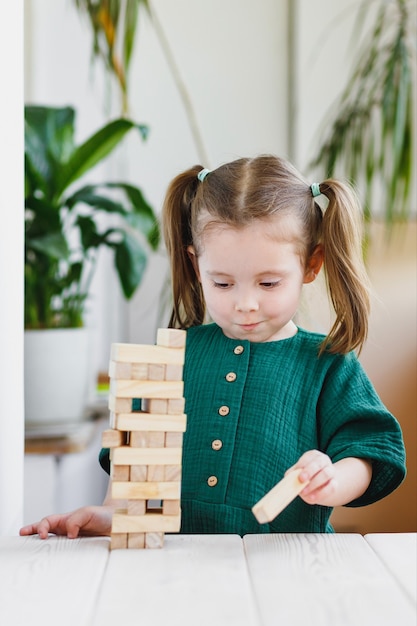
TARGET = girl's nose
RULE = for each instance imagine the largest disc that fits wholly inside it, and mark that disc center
(246, 302)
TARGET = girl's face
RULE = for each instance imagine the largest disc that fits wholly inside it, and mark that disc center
(252, 278)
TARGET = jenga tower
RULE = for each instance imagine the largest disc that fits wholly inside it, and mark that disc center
(146, 444)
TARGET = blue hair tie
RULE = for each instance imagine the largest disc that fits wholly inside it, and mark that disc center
(202, 174)
(315, 189)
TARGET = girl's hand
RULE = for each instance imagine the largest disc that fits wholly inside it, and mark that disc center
(332, 484)
(319, 471)
(87, 521)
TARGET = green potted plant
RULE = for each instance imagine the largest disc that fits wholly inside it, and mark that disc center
(65, 227)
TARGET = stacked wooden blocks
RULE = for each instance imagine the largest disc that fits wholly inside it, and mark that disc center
(146, 444)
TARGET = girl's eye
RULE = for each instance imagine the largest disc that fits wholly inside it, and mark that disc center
(271, 284)
(221, 285)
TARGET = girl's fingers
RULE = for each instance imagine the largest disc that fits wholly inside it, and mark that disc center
(322, 492)
(317, 469)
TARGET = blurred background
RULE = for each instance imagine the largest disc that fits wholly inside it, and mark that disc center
(212, 82)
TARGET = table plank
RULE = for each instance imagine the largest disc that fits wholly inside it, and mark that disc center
(323, 579)
(193, 579)
(52, 581)
(398, 551)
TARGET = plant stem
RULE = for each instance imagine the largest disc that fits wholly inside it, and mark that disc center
(182, 89)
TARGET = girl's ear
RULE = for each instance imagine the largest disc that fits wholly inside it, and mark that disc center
(314, 264)
(194, 260)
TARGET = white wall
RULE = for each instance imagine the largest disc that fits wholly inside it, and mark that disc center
(11, 270)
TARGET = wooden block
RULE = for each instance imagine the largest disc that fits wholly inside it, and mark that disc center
(139, 439)
(146, 388)
(173, 440)
(172, 472)
(147, 439)
(280, 496)
(171, 507)
(118, 541)
(138, 473)
(138, 353)
(151, 522)
(171, 337)
(125, 455)
(146, 490)
(120, 405)
(154, 540)
(136, 540)
(157, 371)
(155, 405)
(120, 370)
(134, 507)
(173, 372)
(156, 439)
(128, 371)
(156, 473)
(151, 421)
(120, 472)
(112, 438)
(113, 419)
(175, 406)
(140, 371)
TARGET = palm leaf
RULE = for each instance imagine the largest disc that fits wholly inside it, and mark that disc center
(369, 138)
(114, 26)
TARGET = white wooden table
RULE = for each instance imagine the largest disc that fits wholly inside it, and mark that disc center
(208, 580)
(399, 554)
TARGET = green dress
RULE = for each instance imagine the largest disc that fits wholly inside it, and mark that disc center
(254, 408)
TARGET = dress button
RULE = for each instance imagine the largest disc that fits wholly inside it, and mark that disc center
(238, 349)
(217, 444)
(212, 481)
(231, 377)
(224, 410)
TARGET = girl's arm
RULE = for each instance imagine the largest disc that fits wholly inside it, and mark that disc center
(86, 521)
(333, 484)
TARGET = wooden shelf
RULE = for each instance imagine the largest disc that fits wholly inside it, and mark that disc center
(61, 438)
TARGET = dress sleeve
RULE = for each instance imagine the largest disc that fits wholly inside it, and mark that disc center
(353, 422)
(104, 459)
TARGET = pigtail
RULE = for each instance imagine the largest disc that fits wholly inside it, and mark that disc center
(188, 303)
(347, 280)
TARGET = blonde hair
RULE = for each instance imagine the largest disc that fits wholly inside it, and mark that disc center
(250, 189)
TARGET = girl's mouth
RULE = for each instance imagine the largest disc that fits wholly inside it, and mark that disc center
(249, 327)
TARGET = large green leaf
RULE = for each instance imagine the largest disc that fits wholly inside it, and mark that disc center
(54, 127)
(49, 140)
(92, 151)
(141, 215)
(132, 205)
(87, 195)
(53, 245)
(90, 238)
(130, 261)
(41, 216)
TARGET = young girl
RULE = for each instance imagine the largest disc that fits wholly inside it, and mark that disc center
(262, 395)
